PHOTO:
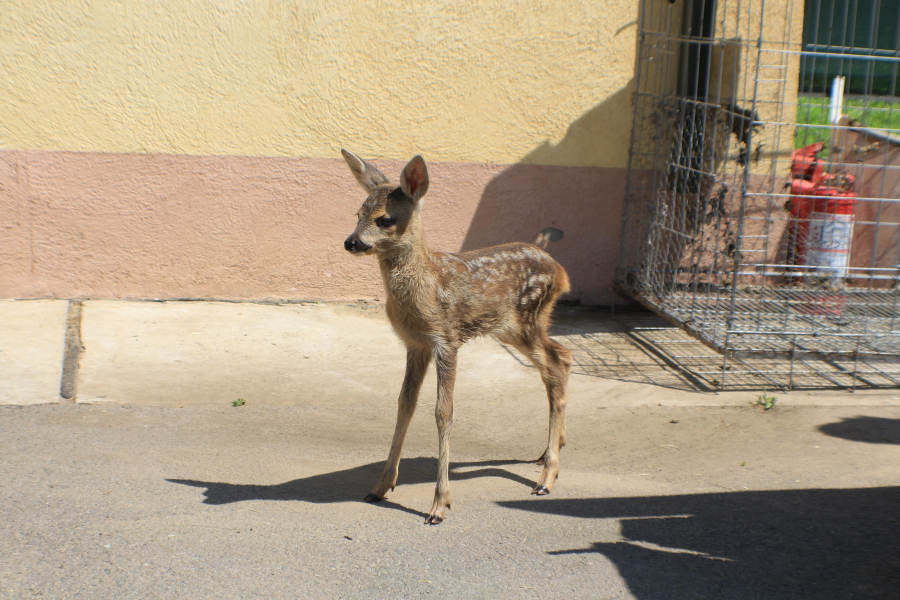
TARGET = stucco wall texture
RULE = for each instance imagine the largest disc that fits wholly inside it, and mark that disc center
(176, 150)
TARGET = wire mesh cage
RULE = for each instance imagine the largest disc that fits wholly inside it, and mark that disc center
(762, 210)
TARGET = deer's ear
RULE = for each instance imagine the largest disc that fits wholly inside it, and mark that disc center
(367, 175)
(414, 179)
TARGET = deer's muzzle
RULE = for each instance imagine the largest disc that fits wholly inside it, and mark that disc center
(354, 245)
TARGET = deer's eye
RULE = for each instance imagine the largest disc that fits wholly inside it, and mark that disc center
(385, 221)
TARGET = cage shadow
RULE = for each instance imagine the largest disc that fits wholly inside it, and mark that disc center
(782, 544)
(870, 430)
(604, 344)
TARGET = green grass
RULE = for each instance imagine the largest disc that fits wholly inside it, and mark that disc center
(878, 114)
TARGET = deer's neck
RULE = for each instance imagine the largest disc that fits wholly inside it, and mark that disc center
(408, 273)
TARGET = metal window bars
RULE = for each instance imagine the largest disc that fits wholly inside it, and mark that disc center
(761, 225)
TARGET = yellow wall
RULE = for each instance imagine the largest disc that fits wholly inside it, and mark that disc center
(488, 81)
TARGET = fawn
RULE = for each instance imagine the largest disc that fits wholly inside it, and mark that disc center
(437, 301)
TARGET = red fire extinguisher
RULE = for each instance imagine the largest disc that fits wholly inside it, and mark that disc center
(823, 210)
(823, 207)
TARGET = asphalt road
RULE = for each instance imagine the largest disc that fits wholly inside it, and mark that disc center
(109, 501)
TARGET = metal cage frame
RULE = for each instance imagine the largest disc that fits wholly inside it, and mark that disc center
(736, 227)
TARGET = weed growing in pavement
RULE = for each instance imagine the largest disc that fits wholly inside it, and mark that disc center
(766, 401)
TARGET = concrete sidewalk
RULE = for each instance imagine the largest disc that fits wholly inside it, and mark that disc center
(212, 353)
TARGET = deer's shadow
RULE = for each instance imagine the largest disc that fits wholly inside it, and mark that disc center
(351, 485)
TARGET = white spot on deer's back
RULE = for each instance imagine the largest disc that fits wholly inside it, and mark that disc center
(530, 296)
(444, 294)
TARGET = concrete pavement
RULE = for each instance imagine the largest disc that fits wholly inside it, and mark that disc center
(150, 484)
(32, 337)
(211, 353)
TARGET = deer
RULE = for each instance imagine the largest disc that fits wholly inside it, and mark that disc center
(437, 301)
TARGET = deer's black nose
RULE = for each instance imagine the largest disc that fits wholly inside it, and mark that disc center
(355, 245)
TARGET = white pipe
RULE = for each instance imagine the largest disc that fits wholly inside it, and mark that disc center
(836, 103)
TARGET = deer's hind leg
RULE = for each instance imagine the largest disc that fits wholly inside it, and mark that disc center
(416, 365)
(559, 355)
(554, 361)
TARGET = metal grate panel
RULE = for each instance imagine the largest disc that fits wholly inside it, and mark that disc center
(736, 228)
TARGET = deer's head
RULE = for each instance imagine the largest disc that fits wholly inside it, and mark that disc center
(385, 218)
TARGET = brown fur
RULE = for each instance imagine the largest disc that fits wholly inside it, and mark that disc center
(437, 301)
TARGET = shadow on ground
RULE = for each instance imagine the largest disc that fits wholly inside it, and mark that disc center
(351, 485)
(872, 430)
(787, 544)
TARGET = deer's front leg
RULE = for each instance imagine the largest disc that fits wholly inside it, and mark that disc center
(443, 414)
(416, 365)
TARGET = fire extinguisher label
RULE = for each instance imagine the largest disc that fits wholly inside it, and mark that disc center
(828, 246)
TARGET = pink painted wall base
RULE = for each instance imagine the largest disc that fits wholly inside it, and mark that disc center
(98, 225)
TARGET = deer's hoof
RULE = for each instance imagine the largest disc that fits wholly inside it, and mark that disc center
(540, 491)
(372, 498)
(433, 520)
